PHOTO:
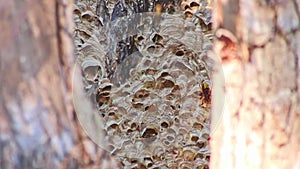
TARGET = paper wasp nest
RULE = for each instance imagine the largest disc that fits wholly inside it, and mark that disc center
(154, 101)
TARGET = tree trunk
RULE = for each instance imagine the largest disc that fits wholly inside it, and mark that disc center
(258, 42)
(38, 124)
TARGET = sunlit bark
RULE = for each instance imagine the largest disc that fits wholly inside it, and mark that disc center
(258, 42)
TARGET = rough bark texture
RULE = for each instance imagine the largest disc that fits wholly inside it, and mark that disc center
(38, 124)
(258, 42)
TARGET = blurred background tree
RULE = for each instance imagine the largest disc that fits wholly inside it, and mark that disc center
(258, 42)
(38, 124)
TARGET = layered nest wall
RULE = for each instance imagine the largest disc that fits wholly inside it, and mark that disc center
(152, 89)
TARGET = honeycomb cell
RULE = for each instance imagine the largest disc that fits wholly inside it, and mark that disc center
(164, 124)
(92, 69)
(157, 38)
(188, 154)
(143, 93)
(179, 53)
(186, 165)
(194, 138)
(149, 132)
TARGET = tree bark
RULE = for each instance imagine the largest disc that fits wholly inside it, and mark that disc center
(38, 124)
(258, 42)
